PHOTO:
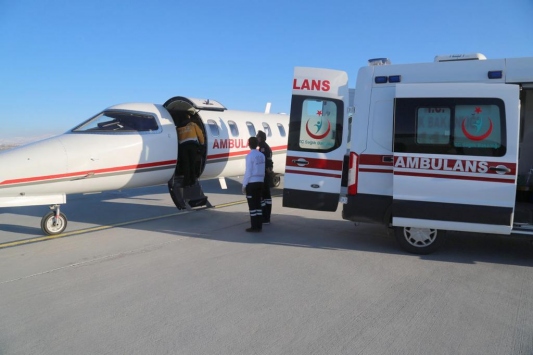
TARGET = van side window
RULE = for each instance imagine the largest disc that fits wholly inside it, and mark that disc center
(233, 128)
(315, 124)
(433, 125)
(213, 127)
(281, 130)
(251, 129)
(462, 126)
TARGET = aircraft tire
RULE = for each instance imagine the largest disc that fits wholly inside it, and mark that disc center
(276, 180)
(48, 227)
(419, 240)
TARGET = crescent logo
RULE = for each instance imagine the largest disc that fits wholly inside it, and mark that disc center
(318, 136)
(473, 137)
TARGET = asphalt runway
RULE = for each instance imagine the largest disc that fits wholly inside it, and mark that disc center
(133, 275)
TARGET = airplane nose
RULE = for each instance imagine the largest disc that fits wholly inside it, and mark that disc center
(31, 165)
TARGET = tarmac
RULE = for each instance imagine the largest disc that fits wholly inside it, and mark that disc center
(134, 275)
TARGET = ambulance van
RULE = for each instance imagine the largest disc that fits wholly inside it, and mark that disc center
(426, 148)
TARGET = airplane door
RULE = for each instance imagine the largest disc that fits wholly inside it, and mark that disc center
(315, 148)
(455, 156)
(177, 106)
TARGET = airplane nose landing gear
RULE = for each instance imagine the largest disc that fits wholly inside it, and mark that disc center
(54, 222)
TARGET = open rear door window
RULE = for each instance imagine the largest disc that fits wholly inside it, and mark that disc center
(315, 151)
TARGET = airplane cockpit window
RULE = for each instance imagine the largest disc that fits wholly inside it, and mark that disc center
(119, 121)
(251, 129)
(233, 128)
(267, 130)
(281, 130)
(213, 127)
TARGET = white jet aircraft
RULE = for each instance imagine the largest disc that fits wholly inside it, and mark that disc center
(134, 145)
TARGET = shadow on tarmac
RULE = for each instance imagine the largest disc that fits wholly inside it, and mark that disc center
(332, 234)
(109, 208)
(296, 228)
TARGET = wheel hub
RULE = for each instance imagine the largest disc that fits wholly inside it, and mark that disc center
(420, 237)
(55, 224)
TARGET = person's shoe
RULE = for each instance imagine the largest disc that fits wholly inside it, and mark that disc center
(253, 230)
(266, 222)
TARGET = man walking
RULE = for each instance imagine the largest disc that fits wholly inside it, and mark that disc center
(252, 185)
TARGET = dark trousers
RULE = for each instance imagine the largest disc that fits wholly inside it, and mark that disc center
(253, 196)
(266, 199)
(187, 153)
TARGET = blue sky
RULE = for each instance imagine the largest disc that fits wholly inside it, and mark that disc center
(62, 61)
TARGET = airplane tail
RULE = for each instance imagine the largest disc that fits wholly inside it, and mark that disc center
(267, 108)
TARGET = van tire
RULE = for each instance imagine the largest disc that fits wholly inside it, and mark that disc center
(419, 240)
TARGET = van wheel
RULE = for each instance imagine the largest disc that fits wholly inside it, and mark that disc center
(419, 240)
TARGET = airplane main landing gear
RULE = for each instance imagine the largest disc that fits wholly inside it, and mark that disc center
(54, 222)
(276, 180)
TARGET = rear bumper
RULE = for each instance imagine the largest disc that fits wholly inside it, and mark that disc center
(368, 208)
(307, 200)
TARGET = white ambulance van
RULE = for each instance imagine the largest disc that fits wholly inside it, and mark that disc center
(427, 147)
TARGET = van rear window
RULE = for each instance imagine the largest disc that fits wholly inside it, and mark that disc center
(315, 124)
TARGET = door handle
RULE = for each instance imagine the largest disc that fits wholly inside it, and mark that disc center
(86, 176)
(387, 159)
(500, 169)
(301, 162)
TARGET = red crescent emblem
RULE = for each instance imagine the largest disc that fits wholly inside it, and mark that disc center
(476, 138)
(315, 136)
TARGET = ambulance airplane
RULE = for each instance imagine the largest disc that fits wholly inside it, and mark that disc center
(133, 145)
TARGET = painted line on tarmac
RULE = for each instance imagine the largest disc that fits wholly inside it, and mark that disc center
(94, 229)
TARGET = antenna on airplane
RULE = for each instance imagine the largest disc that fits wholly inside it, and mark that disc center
(267, 108)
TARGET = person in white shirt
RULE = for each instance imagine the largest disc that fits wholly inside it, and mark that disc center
(252, 184)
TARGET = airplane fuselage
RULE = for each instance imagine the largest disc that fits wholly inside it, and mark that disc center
(132, 145)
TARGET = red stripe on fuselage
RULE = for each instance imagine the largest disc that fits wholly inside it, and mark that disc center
(241, 153)
(86, 172)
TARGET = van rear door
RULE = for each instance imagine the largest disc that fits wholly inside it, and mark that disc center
(315, 149)
(455, 156)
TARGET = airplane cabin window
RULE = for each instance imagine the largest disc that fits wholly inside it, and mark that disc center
(233, 128)
(119, 121)
(267, 130)
(213, 127)
(281, 130)
(251, 129)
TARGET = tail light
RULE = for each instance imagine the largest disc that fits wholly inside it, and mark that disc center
(353, 172)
